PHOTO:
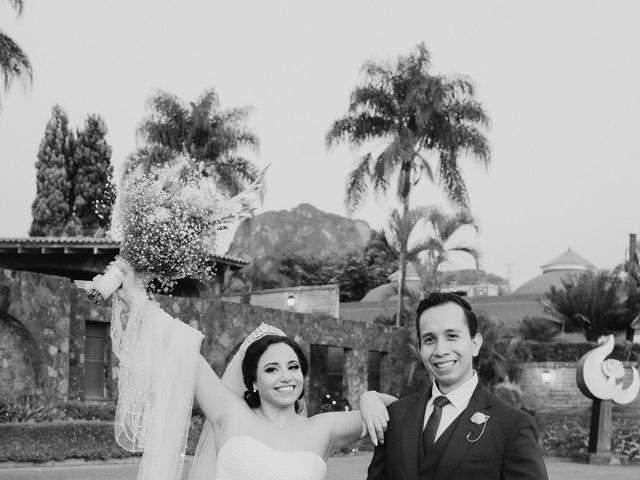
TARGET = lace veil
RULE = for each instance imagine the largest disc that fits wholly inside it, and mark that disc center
(158, 357)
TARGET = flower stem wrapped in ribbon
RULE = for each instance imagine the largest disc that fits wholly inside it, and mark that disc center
(169, 222)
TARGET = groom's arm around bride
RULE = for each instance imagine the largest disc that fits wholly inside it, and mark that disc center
(455, 429)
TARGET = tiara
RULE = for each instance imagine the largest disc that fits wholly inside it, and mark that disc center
(262, 331)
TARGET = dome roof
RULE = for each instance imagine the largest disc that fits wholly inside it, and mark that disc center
(554, 271)
(569, 260)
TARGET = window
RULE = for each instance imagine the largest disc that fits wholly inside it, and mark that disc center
(94, 359)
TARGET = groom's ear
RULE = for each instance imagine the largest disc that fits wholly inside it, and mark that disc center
(476, 343)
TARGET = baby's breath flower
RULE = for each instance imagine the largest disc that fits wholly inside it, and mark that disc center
(168, 222)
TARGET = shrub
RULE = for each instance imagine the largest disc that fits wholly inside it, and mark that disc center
(28, 409)
(568, 436)
(572, 352)
(102, 411)
(41, 442)
(538, 329)
(32, 409)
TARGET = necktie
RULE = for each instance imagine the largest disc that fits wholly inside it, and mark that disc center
(429, 434)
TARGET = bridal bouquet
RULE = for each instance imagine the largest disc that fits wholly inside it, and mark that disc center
(168, 221)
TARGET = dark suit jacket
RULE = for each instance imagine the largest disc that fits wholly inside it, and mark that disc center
(507, 450)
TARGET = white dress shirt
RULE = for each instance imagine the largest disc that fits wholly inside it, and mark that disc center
(458, 400)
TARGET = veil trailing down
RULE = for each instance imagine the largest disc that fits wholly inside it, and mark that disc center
(204, 462)
(158, 357)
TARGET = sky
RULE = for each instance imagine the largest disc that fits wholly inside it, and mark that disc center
(560, 81)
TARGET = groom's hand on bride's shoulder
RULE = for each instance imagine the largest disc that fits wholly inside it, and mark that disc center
(374, 416)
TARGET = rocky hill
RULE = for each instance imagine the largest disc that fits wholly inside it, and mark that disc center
(304, 230)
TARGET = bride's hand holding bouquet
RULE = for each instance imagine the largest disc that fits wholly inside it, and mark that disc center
(168, 222)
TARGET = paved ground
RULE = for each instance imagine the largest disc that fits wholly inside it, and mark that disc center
(340, 468)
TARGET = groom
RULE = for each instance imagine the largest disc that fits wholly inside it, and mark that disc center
(455, 429)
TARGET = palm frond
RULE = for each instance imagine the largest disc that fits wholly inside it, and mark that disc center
(148, 158)
(17, 5)
(167, 123)
(358, 129)
(452, 181)
(374, 100)
(357, 186)
(14, 63)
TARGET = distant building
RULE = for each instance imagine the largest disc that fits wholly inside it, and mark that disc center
(554, 272)
(525, 301)
(493, 300)
(303, 299)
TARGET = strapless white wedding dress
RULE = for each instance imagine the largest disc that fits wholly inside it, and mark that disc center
(246, 458)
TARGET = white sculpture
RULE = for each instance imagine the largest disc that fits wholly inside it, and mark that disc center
(600, 378)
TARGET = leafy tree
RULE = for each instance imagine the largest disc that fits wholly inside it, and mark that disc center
(468, 277)
(590, 304)
(92, 175)
(302, 270)
(538, 329)
(50, 209)
(498, 360)
(203, 131)
(14, 63)
(417, 113)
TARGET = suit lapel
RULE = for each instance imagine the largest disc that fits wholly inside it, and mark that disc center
(459, 445)
(411, 432)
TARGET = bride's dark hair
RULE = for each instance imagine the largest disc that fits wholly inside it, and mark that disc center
(250, 365)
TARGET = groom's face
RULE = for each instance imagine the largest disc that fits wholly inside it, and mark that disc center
(446, 345)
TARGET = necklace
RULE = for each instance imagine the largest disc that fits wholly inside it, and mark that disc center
(279, 426)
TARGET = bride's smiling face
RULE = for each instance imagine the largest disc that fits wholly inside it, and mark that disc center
(279, 378)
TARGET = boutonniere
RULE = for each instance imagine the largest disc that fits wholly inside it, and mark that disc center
(478, 418)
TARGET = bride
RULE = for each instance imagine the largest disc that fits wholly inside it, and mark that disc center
(259, 437)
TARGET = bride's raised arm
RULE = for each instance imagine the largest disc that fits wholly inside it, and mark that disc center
(212, 395)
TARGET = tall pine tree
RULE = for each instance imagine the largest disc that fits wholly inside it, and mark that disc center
(50, 209)
(92, 173)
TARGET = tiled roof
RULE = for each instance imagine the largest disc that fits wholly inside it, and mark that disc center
(50, 244)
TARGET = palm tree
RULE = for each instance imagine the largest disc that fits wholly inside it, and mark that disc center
(442, 242)
(590, 304)
(203, 131)
(434, 247)
(415, 114)
(14, 63)
(401, 228)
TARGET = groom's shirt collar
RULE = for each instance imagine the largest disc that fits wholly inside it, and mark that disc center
(459, 398)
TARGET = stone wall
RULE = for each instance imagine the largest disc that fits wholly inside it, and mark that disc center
(52, 314)
(561, 394)
(226, 324)
(40, 304)
(17, 372)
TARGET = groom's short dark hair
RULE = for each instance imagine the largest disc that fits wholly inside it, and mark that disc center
(440, 298)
